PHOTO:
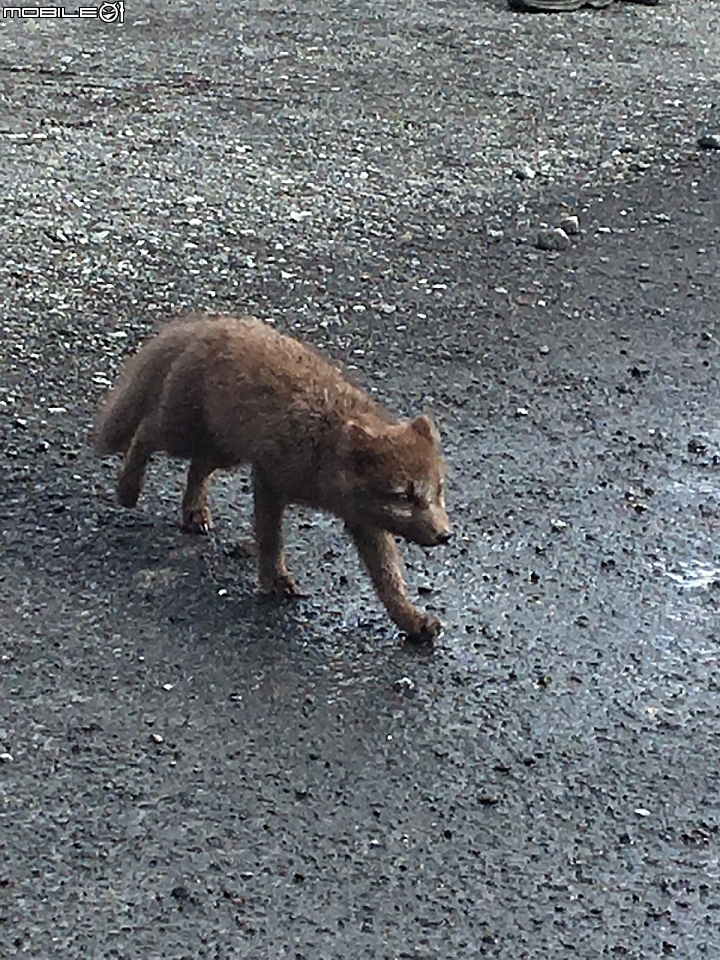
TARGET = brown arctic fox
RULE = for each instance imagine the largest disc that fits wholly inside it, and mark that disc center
(221, 391)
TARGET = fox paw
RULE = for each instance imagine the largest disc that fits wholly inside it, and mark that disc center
(197, 521)
(425, 630)
(282, 587)
(128, 493)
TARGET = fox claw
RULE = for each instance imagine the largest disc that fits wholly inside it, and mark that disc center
(283, 587)
(427, 629)
(197, 521)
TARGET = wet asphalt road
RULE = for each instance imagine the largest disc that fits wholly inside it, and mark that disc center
(187, 773)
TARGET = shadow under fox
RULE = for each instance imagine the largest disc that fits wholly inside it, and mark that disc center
(220, 391)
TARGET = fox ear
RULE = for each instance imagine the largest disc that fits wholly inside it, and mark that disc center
(424, 426)
(358, 434)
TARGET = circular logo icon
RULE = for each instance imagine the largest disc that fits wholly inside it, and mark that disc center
(109, 12)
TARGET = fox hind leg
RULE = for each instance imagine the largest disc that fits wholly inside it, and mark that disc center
(132, 472)
(195, 508)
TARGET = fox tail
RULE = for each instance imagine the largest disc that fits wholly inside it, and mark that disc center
(137, 393)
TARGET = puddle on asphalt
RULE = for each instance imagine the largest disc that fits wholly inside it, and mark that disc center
(694, 486)
(692, 574)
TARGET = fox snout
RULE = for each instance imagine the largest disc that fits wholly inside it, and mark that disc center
(433, 540)
(433, 530)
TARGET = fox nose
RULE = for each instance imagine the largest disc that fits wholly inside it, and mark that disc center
(444, 536)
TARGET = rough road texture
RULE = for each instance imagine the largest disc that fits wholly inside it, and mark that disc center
(186, 773)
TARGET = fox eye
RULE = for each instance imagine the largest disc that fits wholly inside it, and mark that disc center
(402, 494)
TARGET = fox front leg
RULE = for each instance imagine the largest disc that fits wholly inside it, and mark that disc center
(384, 564)
(275, 580)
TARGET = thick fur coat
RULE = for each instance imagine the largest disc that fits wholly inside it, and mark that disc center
(220, 391)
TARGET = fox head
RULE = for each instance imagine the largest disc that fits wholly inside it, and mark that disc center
(394, 478)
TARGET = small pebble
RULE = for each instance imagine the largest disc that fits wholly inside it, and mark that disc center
(554, 239)
(709, 141)
(571, 225)
(696, 445)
